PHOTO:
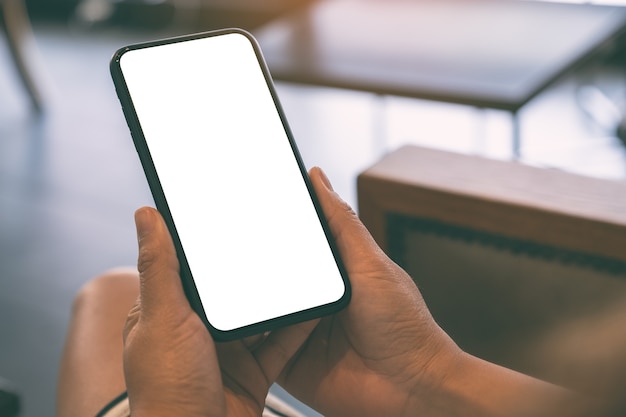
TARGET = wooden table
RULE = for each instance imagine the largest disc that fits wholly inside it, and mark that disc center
(496, 54)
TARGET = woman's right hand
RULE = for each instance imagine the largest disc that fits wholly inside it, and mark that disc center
(371, 358)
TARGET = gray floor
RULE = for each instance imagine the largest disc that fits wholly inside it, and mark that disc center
(70, 181)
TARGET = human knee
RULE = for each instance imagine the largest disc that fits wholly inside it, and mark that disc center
(116, 286)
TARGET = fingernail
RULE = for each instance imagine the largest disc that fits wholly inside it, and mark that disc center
(144, 221)
(325, 179)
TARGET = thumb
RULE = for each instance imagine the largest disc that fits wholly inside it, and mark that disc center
(352, 237)
(160, 287)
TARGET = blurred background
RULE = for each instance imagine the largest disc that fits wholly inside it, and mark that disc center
(70, 180)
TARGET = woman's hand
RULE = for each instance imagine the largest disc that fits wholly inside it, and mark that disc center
(385, 355)
(171, 364)
(371, 358)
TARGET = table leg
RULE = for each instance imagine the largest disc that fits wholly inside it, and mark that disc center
(516, 137)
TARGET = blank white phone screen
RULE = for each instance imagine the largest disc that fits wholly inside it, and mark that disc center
(248, 227)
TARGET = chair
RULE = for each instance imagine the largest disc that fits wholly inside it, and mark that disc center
(16, 25)
(522, 266)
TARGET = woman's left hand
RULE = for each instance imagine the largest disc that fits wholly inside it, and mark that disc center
(171, 364)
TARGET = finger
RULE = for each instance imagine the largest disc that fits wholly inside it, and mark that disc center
(240, 370)
(252, 342)
(157, 263)
(280, 346)
(351, 235)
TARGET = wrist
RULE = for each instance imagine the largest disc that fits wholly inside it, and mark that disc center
(462, 384)
(433, 383)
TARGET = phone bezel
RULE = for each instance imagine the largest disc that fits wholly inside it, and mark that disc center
(162, 205)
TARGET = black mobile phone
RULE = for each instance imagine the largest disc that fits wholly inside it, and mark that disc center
(254, 247)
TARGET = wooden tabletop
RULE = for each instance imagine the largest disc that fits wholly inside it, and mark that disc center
(488, 53)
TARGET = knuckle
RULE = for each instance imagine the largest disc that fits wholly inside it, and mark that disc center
(106, 287)
(131, 321)
(155, 259)
(148, 256)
